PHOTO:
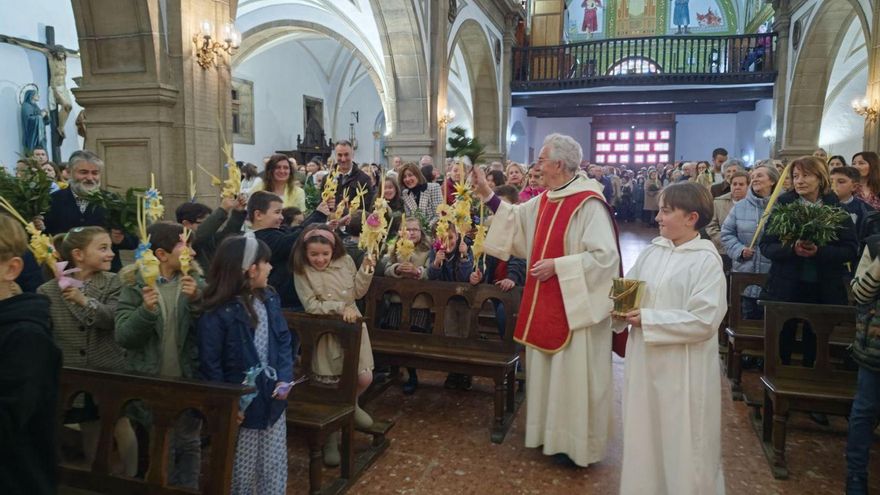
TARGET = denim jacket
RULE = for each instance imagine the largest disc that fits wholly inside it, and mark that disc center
(227, 351)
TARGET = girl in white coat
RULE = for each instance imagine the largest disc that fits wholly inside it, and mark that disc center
(672, 394)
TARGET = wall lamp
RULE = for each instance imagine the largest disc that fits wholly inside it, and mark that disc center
(446, 118)
(207, 48)
(865, 109)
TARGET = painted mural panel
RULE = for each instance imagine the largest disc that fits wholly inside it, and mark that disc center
(697, 16)
(585, 19)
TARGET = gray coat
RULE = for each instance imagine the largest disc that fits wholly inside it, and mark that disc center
(737, 231)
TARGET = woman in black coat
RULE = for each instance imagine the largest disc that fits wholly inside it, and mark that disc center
(803, 272)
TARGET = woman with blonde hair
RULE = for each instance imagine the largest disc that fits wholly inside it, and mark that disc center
(804, 272)
(516, 176)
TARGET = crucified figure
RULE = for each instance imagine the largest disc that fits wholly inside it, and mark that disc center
(56, 55)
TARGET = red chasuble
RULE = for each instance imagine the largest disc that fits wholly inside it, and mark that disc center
(542, 322)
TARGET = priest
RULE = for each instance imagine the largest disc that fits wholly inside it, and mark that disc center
(569, 239)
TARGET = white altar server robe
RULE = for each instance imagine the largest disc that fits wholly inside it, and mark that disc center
(672, 385)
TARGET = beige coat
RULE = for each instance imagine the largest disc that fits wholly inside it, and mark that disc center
(329, 292)
(420, 259)
(723, 205)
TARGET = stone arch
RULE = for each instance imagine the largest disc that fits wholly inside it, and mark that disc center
(257, 37)
(406, 109)
(812, 71)
(471, 39)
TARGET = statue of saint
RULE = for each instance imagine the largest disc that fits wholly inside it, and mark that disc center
(33, 122)
(59, 95)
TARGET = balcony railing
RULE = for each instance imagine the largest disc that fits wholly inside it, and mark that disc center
(736, 59)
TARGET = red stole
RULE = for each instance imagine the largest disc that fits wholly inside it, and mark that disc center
(542, 322)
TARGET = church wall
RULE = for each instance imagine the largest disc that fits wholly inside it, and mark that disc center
(279, 87)
(22, 66)
(697, 135)
(364, 100)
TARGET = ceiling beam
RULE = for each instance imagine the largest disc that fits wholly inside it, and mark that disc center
(644, 109)
(651, 96)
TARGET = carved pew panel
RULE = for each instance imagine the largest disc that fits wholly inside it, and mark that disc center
(165, 398)
(742, 335)
(474, 350)
(828, 387)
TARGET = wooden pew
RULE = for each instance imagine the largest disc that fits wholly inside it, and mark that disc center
(826, 388)
(165, 398)
(319, 410)
(480, 353)
(742, 335)
(722, 328)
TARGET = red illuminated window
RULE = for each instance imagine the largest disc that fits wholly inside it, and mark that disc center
(630, 145)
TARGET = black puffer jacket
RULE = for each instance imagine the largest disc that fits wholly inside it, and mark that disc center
(29, 366)
(788, 278)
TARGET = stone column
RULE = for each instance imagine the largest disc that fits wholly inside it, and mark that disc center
(439, 79)
(872, 129)
(412, 133)
(151, 108)
(781, 26)
(507, 42)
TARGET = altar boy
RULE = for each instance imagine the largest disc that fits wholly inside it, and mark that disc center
(672, 396)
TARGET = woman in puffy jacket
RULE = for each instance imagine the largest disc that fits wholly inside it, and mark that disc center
(739, 228)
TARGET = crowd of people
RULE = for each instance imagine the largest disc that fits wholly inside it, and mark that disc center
(281, 245)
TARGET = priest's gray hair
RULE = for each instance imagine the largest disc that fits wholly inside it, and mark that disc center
(566, 149)
(84, 156)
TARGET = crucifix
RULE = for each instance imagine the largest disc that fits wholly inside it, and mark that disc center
(60, 101)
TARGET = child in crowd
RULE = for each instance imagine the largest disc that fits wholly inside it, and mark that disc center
(242, 330)
(210, 228)
(293, 217)
(329, 284)
(264, 213)
(865, 411)
(30, 364)
(505, 274)
(352, 240)
(415, 268)
(155, 324)
(843, 182)
(672, 396)
(82, 319)
(451, 260)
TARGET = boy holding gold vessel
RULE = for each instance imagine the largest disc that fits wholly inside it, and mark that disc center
(672, 396)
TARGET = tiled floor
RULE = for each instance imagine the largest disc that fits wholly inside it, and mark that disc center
(440, 444)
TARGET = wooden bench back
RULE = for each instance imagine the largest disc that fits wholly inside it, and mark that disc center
(166, 399)
(832, 324)
(440, 294)
(310, 329)
(738, 283)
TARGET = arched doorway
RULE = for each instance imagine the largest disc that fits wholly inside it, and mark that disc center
(342, 83)
(806, 101)
(471, 39)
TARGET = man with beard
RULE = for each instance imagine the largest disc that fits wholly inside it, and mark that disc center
(351, 177)
(69, 208)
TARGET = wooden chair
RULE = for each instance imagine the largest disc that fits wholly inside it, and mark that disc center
(826, 388)
(165, 398)
(319, 410)
(742, 335)
(479, 352)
